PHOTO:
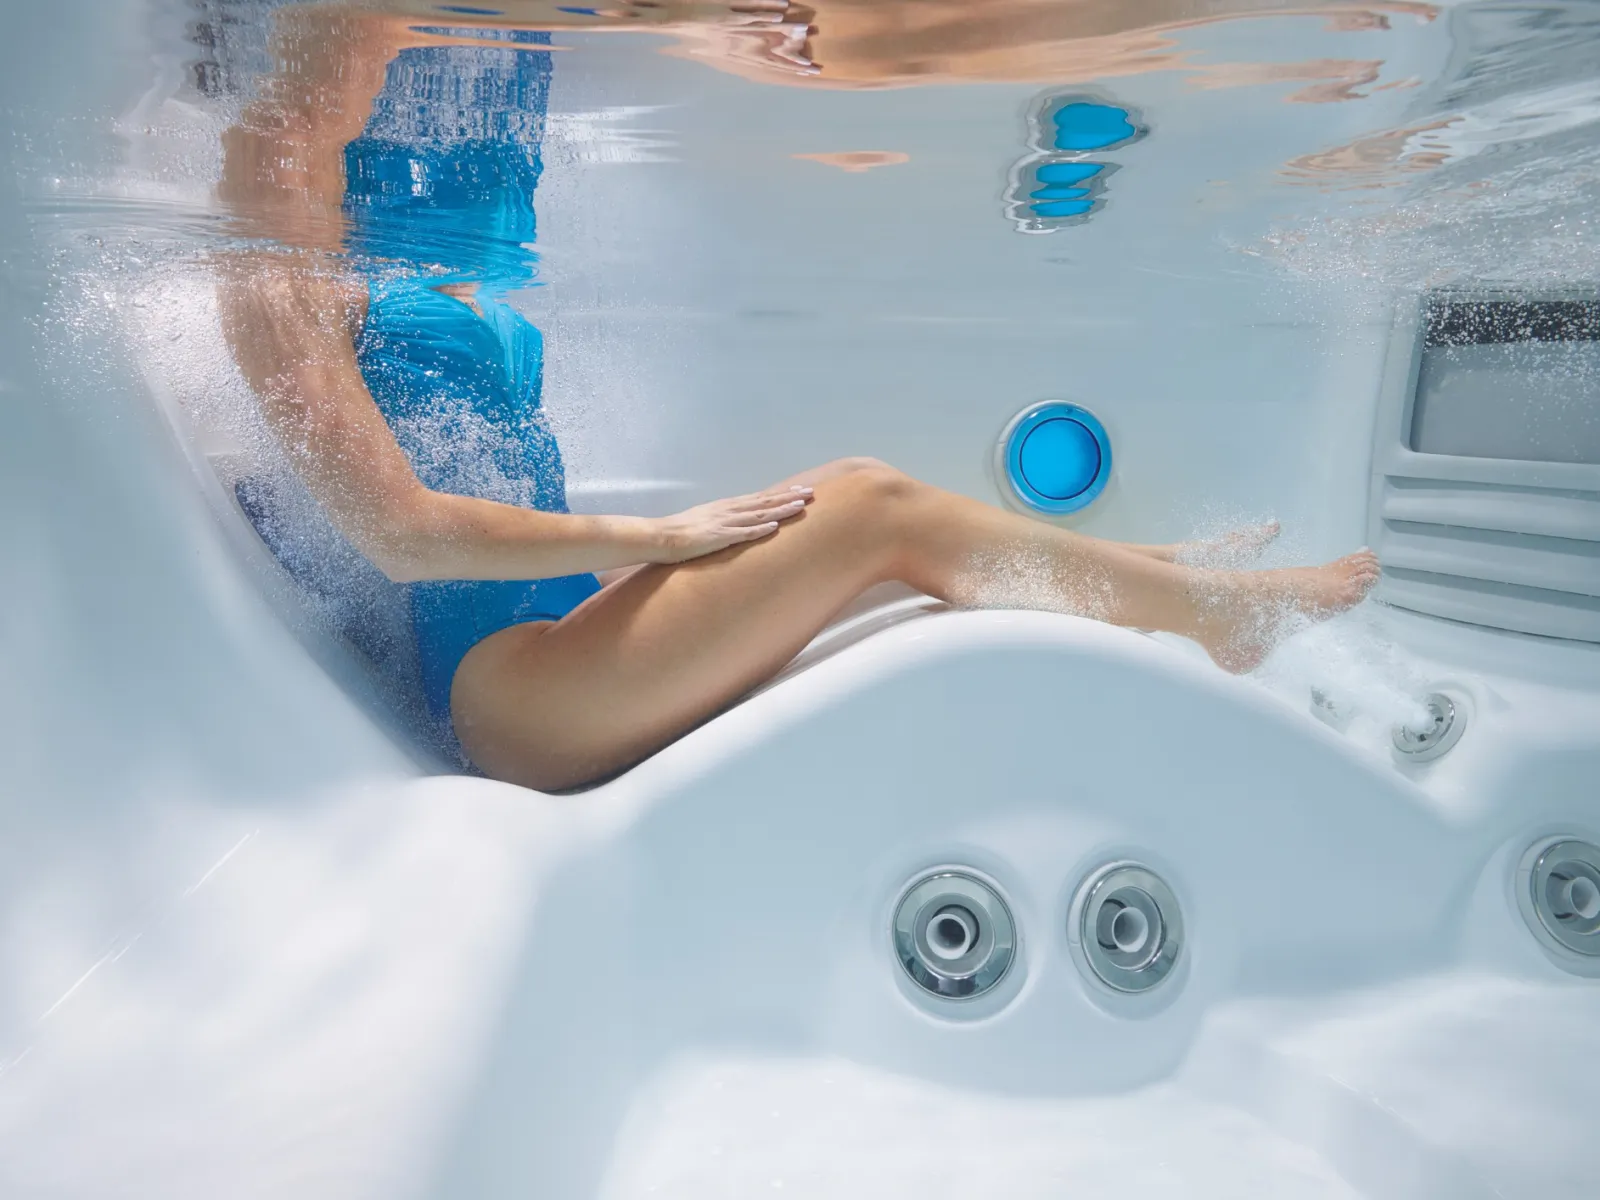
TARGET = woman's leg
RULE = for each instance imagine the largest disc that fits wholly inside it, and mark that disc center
(557, 705)
(1235, 548)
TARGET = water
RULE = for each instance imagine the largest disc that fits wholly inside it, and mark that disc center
(755, 241)
(813, 242)
(1300, 171)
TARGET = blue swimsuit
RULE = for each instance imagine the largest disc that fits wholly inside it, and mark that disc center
(439, 191)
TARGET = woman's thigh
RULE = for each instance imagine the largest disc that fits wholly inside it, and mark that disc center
(558, 705)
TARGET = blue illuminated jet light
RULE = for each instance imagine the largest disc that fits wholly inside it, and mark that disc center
(1057, 458)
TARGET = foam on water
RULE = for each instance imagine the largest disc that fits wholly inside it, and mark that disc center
(1495, 178)
(1356, 667)
(1350, 660)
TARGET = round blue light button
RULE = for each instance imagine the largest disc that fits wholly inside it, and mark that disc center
(1057, 457)
(1060, 459)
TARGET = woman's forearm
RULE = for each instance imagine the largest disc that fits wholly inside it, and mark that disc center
(420, 534)
(444, 536)
(291, 326)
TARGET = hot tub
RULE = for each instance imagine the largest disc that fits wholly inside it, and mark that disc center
(962, 903)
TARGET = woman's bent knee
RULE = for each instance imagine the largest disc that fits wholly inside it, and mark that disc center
(877, 484)
(866, 513)
(859, 462)
(838, 468)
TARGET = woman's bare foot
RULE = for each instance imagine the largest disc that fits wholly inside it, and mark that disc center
(1234, 550)
(1250, 612)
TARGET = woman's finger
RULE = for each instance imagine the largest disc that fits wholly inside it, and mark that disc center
(765, 512)
(769, 499)
(743, 503)
(756, 532)
(771, 495)
(780, 512)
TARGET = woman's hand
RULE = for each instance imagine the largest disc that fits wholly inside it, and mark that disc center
(707, 528)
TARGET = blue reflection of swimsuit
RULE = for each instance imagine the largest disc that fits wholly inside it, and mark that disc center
(439, 191)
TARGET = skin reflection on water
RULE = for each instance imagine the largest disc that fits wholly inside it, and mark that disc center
(1377, 160)
(283, 170)
(902, 43)
(856, 162)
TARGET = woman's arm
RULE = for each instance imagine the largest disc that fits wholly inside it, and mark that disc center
(291, 324)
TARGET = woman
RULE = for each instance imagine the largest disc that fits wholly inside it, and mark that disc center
(564, 648)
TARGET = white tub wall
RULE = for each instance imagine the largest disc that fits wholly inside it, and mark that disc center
(761, 312)
(760, 877)
(155, 704)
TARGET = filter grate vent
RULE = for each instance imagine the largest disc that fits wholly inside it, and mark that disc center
(1485, 503)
